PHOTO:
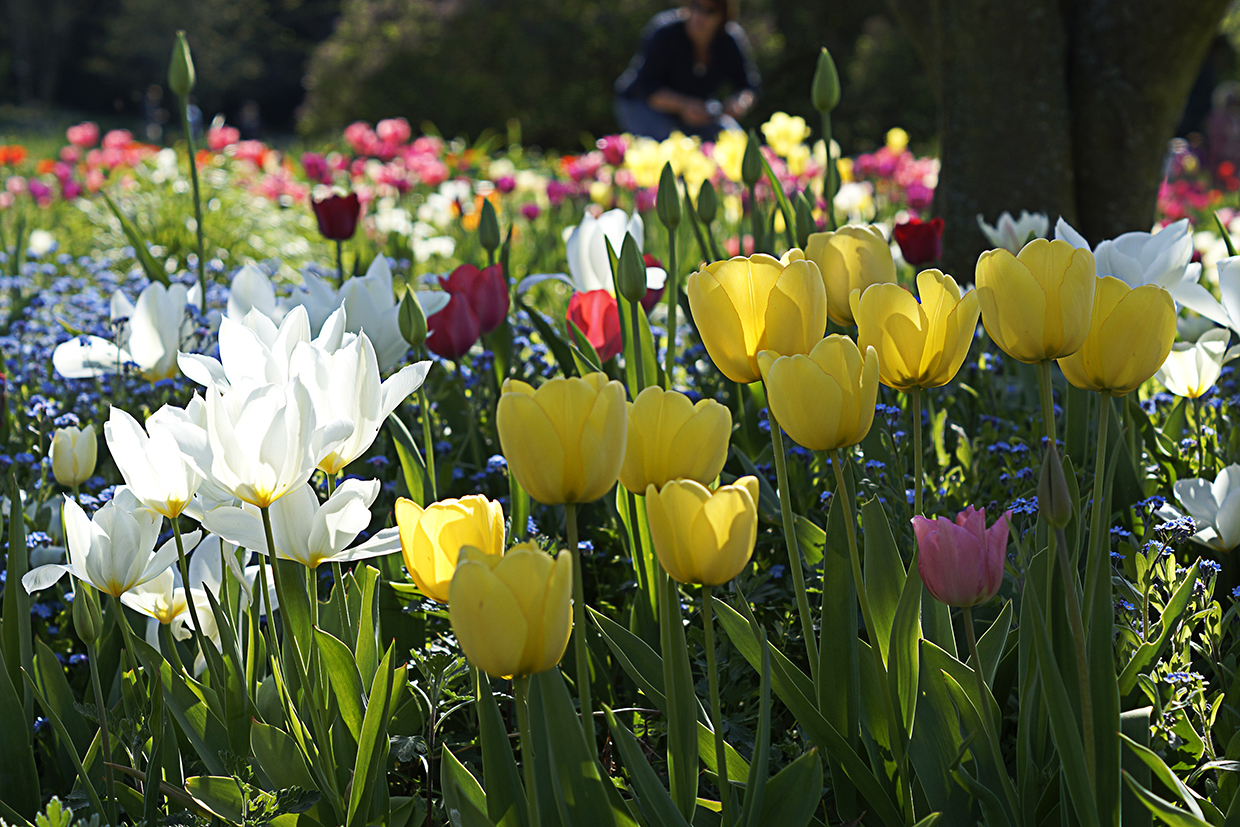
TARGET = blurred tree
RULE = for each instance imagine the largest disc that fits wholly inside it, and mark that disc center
(1058, 106)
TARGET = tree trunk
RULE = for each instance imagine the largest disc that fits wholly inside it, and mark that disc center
(1056, 107)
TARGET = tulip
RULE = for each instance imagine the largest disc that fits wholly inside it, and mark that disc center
(921, 242)
(1198, 299)
(512, 614)
(1011, 234)
(850, 258)
(150, 461)
(254, 352)
(1191, 369)
(961, 563)
(703, 536)
(588, 263)
(306, 531)
(84, 135)
(337, 215)
(597, 316)
(113, 550)
(824, 400)
(485, 291)
(564, 442)
(1137, 258)
(1130, 335)
(1037, 306)
(452, 331)
(670, 438)
(431, 538)
(784, 133)
(919, 344)
(746, 305)
(1214, 507)
(73, 455)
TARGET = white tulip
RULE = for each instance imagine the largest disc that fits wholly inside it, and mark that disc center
(588, 262)
(150, 461)
(1012, 233)
(1139, 258)
(1214, 507)
(73, 454)
(251, 289)
(1192, 369)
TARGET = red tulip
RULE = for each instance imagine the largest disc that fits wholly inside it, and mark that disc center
(337, 215)
(921, 242)
(961, 563)
(486, 291)
(452, 331)
(597, 315)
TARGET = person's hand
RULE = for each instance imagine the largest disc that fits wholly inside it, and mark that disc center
(695, 113)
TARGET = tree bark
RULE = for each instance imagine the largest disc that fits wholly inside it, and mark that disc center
(1056, 107)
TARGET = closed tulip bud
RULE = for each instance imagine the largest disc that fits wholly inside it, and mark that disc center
(920, 344)
(73, 455)
(707, 202)
(1037, 306)
(703, 536)
(850, 258)
(87, 617)
(824, 400)
(513, 614)
(631, 271)
(1054, 501)
(961, 563)
(181, 68)
(488, 227)
(431, 538)
(670, 438)
(412, 320)
(668, 203)
(746, 305)
(565, 441)
(751, 161)
(825, 91)
(1131, 332)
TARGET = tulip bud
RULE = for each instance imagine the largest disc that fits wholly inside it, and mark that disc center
(412, 320)
(87, 618)
(488, 227)
(751, 162)
(631, 271)
(805, 220)
(1054, 502)
(181, 68)
(825, 91)
(668, 203)
(707, 203)
(73, 455)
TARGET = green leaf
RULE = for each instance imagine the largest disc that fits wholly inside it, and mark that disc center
(682, 703)
(463, 797)
(884, 573)
(367, 619)
(576, 776)
(19, 780)
(1147, 652)
(1226, 236)
(936, 740)
(277, 754)
(220, 794)
(373, 743)
(989, 765)
(902, 655)
(792, 796)
(50, 678)
(655, 801)
(412, 466)
(1164, 774)
(506, 801)
(992, 643)
(150, 266)
(810, 539)
(587, 352)
(554, 342)
(15, 636)
(789, 214)
(755, 782)
(1165, 810)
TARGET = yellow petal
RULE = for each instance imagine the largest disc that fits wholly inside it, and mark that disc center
(531, 443)
(487, 620)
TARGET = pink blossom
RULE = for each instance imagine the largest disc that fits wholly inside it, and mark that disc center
(961, 563)
(530, 210)
(85, 134)
(428, 145)
(221, 137)
(360, 137)
(40, 192)
(919, 196)
(614, 148)
(253, 151)
(643, 199)
(393, 130)
(70, 154)
(316, 167)
(505, 184)
(117, 139)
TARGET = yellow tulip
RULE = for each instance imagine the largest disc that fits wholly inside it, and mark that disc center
(703, 536)
(851, 258)
(919, 345)
(73, 455)
(432, 537)
(1130, 334)
(745, 305)
(784, 133)
(670, 438)
(825, 400)
(565, 441)
(512, 614)
(1037, 306)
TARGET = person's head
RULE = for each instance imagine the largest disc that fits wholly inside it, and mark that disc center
(706, 18)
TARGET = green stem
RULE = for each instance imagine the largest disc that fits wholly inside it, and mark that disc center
(915, 407)
(170, 642)
(340, 262)
(635, 309)
(1097, 550)
(92, 652)
(828, 174)
(790, 540)
(1048, 399)
(580, 651)
(520, 692)
(285, 635)
(983, 692)
(716, 711)
(193, 177)
(754, 226)
(1201, 438)
(126, 633)
(342, 605)
(673, 302)
(894, 731)
(1075, 623)
(427, 444)
(183, 565)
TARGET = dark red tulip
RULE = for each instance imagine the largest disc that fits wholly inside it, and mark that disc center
(485, 290)
(453, 330)
(337, 215)
(921, 242)
(598, 317)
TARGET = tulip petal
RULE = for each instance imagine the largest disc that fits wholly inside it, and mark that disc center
(487, 619)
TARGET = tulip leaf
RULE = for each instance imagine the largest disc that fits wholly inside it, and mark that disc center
(576, 777)
(193, 708)
(1147, 652)
(372, 747)
(463, 797)
(991, 644)
(755, 782)
(989, 765)
(228, 675)
(682, 704)
(50, 678)
(153, 796)
(221, 795)
(19, 778)
(655, 802)
(345, 681)
(558, 347)
(810, 539)
(141, 252)
(884, 572)
(505, 799)
(936, 740)
(1165, 775)
(367, 648)
(796, 691)
(277, 754)
(412, 466)
(902, 652)
(15, 636)
(1225, 235)
(784, 207)
(584, 351)
(793, 794)
(1167, 812)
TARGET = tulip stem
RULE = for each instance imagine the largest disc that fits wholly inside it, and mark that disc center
(915, 408)
(173, 655)
(280, 592)
(635, 326)
(340, 261)
(92, 652)
(828, 176)
(520, 692)
(1048, 399)
(193, 177)
(716, 711)
(673, 302)
(580, 651)
(1201, 438)
(983, 692)
(126, 633)
(790, 540)
(427, 444)
(894, 732)
(342, 605)
(1060, 548)
(183, 565)
(1096, 549)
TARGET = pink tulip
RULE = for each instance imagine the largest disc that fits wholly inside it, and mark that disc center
(85, 134)
(961, 563)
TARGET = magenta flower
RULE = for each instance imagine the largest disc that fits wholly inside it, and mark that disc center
(961, 563)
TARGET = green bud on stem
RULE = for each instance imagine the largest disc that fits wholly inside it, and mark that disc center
(631, 271)
(668, 203)
(412, 320)
(825, 91)
(181, 68)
